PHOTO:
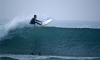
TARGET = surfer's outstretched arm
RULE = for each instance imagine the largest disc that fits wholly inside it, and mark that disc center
(38, 21)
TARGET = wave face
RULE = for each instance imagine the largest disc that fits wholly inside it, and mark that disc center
(52, 41)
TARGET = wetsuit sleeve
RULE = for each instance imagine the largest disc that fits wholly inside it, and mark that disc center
(38, 20)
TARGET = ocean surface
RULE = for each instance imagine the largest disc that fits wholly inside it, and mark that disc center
(20, 41)
(52, 42)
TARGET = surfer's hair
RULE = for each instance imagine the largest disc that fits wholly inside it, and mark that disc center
(35, 15)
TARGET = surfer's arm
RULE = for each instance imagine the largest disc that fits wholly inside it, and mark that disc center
(38, 21)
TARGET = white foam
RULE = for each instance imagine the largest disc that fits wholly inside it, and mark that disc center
(34, 57)
(14, 24)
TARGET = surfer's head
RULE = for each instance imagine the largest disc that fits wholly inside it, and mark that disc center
(35, 16)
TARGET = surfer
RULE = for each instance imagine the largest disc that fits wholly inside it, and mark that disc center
(34, 20)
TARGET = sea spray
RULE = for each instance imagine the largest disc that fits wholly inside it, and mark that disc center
(3, 32)
(14, 24)
(18, 23)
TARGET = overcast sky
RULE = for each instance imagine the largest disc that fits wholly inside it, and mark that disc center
(57, 9)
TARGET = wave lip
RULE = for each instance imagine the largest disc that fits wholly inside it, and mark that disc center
(90, 27)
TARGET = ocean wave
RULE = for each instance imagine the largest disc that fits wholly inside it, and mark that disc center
(52, 41)
(21, 22)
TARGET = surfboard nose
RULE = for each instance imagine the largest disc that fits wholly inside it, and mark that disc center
(46, 22)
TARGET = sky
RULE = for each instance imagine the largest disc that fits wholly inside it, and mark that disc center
(56, 9)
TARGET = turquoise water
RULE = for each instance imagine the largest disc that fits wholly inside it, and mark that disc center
(53, 43)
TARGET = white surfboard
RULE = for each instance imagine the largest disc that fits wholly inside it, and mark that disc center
(46, 22)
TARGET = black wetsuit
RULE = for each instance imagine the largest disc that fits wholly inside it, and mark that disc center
(34, 20)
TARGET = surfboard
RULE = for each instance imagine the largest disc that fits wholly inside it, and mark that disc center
(46, 22)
